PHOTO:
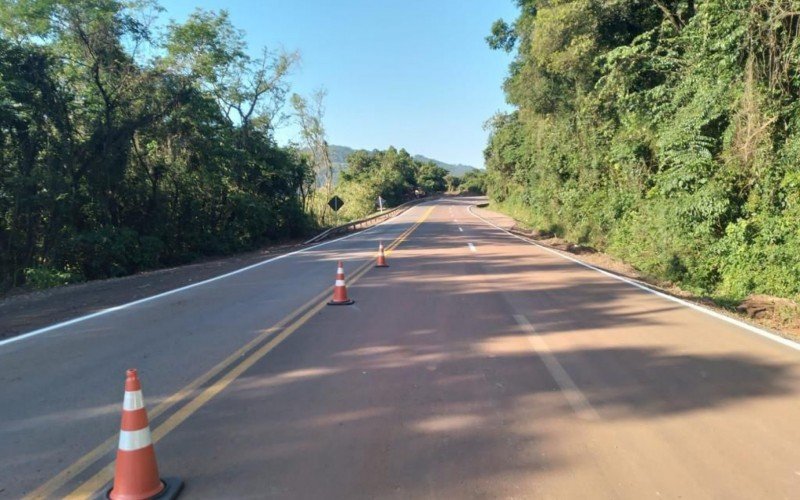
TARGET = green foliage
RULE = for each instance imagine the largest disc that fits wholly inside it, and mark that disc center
(391, 174)
(46, 277)
(473, 182)
(338, 157)
(431, 178)
(111, 162)
(662, 132)
(502, 36)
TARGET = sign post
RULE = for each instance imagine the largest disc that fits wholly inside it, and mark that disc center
(380, 204)
(336, 203)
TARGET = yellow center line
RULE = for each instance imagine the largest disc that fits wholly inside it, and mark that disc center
(47, 489)
(89, 487)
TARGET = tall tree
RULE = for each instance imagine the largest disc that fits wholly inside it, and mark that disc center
(309, 114)
(121, 151)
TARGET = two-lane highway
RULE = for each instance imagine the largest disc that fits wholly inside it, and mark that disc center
(61, 388)
(476, 366)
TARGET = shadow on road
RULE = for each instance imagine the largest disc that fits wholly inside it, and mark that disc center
(429, 387)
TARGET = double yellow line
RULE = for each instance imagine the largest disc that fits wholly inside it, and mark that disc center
(235, 364)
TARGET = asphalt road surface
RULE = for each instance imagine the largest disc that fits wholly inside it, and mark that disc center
(476, 366)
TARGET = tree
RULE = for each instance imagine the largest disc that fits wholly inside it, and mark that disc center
(309, 114)
(660, 131)
(250, 91)
(503, 36)
(119, 152)
(431, 178)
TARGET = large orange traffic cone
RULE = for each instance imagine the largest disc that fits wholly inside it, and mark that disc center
(340, 290)
(136, 471)
(381, 257)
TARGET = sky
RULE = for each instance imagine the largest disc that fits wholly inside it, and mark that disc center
(415, 74)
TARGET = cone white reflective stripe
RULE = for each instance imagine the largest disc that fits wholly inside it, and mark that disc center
(339, 288)
(132, 400)
(134, 440)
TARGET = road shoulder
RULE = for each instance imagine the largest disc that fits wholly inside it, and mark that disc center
(770, 310)
(28, 311)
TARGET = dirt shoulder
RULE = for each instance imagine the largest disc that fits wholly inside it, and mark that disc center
(779, 315)
(24, 312)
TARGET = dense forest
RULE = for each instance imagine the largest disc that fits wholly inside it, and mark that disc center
(122, 150)
(665, 132)
(394, 175)
(128, 143)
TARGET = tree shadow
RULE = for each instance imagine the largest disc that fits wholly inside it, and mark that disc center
(430, 400)
(427, 387)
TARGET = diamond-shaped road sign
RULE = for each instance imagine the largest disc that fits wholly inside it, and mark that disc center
(335, 203)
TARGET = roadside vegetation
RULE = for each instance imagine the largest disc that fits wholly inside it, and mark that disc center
(473, 182)
(391, 174)
(122, 149)
(129, 143)
(358, 177)
(666, 133)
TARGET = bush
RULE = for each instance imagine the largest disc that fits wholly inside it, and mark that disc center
(110, 252)
(47, 277)
(473, 182)
(671, 143)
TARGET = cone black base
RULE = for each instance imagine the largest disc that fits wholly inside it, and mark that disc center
(172, 487)
(342, 303)
(381, 265)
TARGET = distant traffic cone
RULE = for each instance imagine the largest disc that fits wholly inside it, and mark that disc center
(381, 257)
(340, 290)
(136, 471)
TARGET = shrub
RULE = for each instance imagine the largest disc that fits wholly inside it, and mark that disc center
(46, 277)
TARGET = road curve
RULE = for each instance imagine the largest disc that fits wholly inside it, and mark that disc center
(476, 366)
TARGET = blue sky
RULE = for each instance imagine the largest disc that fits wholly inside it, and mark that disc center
(410, 73)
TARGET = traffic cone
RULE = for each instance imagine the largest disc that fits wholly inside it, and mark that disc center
(381, 257)
(136, 471)
(340, 290)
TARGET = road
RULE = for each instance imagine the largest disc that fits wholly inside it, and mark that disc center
(476, 366)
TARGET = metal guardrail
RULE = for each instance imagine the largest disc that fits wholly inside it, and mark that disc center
(367, 221)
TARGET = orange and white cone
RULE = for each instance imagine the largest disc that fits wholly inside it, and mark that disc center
(381, 257)
(136, 471)
(340, 289)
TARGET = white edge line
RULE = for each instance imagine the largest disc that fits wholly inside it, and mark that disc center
(576, 399)
(741, 324)
(181, 289)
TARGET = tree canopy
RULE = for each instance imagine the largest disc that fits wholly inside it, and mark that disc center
(122, 150)
(391, 174)
(663, 131)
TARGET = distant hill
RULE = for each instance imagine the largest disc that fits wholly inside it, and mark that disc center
(339, 156)
(457, 170)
